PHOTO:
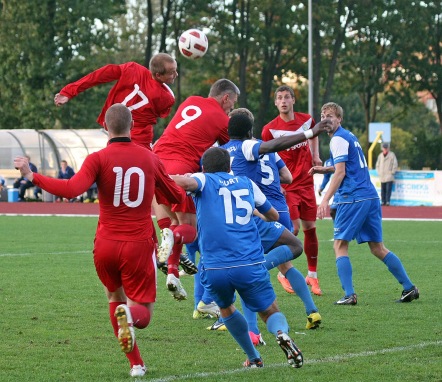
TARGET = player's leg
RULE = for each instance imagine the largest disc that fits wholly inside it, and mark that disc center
(127, 273)
(184, 233)
(221, 284)
(307, 213)
(371, 232)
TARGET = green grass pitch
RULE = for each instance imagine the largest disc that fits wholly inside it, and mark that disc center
(55, 327)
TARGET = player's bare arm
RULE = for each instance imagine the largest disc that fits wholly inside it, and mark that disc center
(335, 182)
(186, 182)
(321, 170)
(285, 142)
(285, 175)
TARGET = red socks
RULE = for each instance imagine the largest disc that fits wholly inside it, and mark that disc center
(311, 249)
(134, 356)
(140, 316)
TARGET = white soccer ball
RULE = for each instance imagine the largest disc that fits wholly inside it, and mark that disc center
(193, 44)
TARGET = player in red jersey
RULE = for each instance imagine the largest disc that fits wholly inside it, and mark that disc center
(300, 194)
(143, 91)
(124, 253)
(197, 124)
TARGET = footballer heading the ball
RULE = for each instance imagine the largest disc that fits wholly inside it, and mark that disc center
(193, 44)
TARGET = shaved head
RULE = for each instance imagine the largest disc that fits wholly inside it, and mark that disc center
(118, 119)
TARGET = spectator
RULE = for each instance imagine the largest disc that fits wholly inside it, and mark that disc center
(2, 182)
(66, 172)
(22, 184)
(386, 166)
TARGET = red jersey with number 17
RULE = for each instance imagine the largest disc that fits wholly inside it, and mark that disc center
(298, 158)
(146, 98)
(127, 175)
(197, 124)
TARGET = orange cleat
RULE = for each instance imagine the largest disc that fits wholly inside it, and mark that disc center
(314, 283)
(285, 283)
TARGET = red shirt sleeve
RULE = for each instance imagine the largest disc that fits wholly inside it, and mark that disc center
(69, 188)
(103, 75)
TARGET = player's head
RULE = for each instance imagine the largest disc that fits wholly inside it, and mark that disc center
(226, 93)
(334, 112)
(163, 68)
(118, 120)
(240, 126)
(243, 110)
(216, 159)
(284, 99)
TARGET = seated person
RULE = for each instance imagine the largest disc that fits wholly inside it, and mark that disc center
(66, 172)
(22, 184)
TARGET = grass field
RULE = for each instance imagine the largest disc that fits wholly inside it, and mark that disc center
(55, 327)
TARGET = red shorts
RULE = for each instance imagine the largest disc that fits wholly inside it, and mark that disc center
(175, 167)
(130, 264)
(302, 204)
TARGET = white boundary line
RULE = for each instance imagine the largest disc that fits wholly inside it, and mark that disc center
(153, 216)
(335, 358)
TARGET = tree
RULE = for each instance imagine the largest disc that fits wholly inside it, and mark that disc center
(43, 45)
(420, 54)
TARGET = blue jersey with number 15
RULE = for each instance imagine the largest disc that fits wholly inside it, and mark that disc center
(227, 233)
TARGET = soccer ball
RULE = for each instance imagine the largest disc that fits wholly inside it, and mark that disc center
(193, 44)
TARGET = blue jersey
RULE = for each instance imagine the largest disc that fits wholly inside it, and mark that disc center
(356, 185)
(227, 233)
(262, 169)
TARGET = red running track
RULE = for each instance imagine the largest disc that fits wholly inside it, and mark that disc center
(41, 208)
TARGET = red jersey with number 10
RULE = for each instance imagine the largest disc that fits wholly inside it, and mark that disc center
(198, 123)
(146, 98)
(298, 158)
(127, 175)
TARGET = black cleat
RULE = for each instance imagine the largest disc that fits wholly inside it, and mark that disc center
(293, 354)
(188, 265)
(348, 300)
(409, 295)
(162, 267)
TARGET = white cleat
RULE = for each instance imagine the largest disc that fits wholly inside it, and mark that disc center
(211, 308)
(174, 285)
(167, 242)
(137, 371)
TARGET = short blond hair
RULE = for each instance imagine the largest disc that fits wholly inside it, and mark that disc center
(337, 109)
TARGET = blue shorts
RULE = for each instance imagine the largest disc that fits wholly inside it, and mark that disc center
(252, 282)
(269, 232)
(360, 220)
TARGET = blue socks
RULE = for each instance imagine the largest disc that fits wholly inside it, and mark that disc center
(395, 266)
(237, 326)
(277, 256)
(277, 321)
(297, 281)
(251, 318)
(345, 274)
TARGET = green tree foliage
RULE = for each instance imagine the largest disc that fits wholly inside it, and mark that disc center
(44, 45)
(371, 56)
(420, 53)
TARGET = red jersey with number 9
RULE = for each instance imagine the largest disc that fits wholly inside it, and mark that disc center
(127, 175)
(198, 123)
